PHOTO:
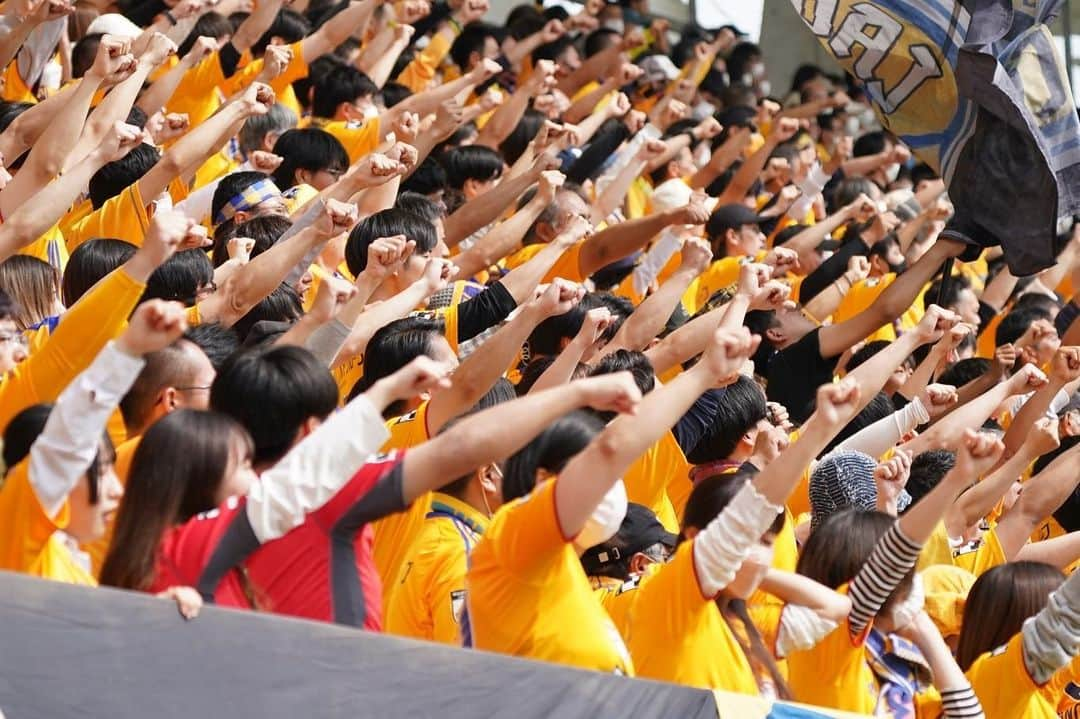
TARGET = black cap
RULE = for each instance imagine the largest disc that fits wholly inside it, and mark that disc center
(640, 530)
(738, 33)
(730, 217)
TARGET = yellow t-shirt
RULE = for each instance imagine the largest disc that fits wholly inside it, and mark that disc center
(282, 85)
(50, 247)
(359, 139)
(861, 295)
(122, 217)
(975, 559)
(849, 683)
(720, 274)
(394, 534)
(528, 595)
(567, 267)
(429, 595)
(198, 93)
(1004, 687)
(29, 542)
(678, 635)
(648, 478)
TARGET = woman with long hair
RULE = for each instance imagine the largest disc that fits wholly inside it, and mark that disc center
(187, 463)
(35, 286)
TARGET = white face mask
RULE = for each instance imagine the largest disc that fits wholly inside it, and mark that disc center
(614, 24)
(904, 613)
(852, 126)
(702, 155)
(703, 109)
(765, 88)
(892, 172)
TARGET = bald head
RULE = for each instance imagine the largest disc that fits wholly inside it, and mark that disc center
(178, 376)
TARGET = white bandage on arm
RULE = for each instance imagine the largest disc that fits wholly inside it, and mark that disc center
(605, 520)
(801, 628)
(720, 548)
(314, 470)
(878, 438)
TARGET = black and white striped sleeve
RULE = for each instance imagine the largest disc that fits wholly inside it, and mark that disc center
(961, 703)
(893, 557)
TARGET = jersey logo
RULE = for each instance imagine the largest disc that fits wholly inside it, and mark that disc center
(408, 417)
(999, 651)
(457, 604)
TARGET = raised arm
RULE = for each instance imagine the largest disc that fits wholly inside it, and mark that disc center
(250, 283)
(48, 154)
(647, 321)
(44, 208)
(1042, 495)
(1064, 369)
(622, 239)
(67, 446)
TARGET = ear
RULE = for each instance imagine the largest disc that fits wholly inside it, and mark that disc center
(486, 482)
(168, 399)
(310, 425)
(638, 563)
(774, 335)
(241, 217)
(475, 58)
(303, 177)
(731, 239)
(269, 140)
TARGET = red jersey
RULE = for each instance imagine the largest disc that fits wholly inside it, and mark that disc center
(322, 569)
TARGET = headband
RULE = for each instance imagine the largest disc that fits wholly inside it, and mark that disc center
(251, 197)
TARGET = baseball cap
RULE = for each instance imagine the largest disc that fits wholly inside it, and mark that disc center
(640, 530)
(946, 588)
(784, 235)
(730, 217)
(114, 24)
(659, 68)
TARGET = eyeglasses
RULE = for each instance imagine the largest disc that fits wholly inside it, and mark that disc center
(17, 338)
(193, 388)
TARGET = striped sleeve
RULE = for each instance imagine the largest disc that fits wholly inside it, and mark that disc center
(961, 703)
(893, 557)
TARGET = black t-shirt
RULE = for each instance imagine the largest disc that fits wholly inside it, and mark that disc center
(796, 372)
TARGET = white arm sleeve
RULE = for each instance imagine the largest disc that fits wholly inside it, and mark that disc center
(655, 259)
(314, 470)
(813, 184)
(879, 437)
(68, 444)
(605, 520)
(801, 628)
(719, 550)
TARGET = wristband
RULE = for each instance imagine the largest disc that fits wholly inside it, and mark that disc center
(171, 18)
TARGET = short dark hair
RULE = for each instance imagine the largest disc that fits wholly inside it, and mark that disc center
(266, 230)
(868, 350)
(953, 288)
(282, 305)
(965, 371)
(738, 410)
(308, 149)
(211, 24)
(927, 470)
(599, 40)
(167, 367)
(871, 143)
(472, 39)
(471, 162)
(394, 92)
(217, 341)
(636, 363)
(420, 205)
(179, 278)
(428, 178)
(90, 262)
(387, 224)
(1013, 325)
(21, 432)
(343, 84)
(84, 52)
(392, 347)
(116, 176)
(1068, 514)
(515, 144)
(272, 393)
(288, 25)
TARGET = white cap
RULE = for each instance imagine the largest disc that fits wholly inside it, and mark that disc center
(659, 67)
(674, 193)
(114, 24)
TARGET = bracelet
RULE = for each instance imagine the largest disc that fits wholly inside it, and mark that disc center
(171, 18)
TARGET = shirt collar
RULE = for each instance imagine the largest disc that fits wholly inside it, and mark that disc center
(454, 506)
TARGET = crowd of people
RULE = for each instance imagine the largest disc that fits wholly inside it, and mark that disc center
(567, 338)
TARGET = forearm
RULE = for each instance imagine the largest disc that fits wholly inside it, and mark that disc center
(872, 375)
(484, 209)
(113, 109)
(589, 70)
(191, 150)
(1058, 552)
(157, 96)
(922, 375)
(24, 130)
(831, 270)
(976, 503)
(611, 198)
(999, 290)
(1034, 408)
(561, 371)
(947, 431)
(502, 123)
(315, 469)
(70, 440)
(893, 558)
(262, 275)
(794, 588)
(724, 157)
(1052, 638)
(256, 24)
(501, 241)
(12, 40)
(596, 153)
(379, 315)
(721, 548)
(745, 176)
(881, 436)
(521, 281)
(685, 342)
(620, 240)
(648, 320)
(380, 67)
(827, 301)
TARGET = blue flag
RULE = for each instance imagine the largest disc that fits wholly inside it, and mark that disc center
(979, 92)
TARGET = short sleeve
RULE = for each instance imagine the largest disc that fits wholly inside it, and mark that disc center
(528, 531)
